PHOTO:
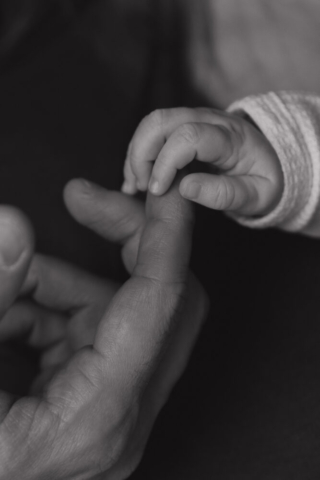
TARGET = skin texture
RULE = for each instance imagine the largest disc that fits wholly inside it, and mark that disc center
(110, 354)
(245, 174)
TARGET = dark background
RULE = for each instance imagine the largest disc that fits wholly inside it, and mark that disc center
(74, 82)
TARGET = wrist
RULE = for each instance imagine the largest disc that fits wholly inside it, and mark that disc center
(285, 120)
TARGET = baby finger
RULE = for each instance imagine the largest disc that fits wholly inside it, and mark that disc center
(221, 192)
(192, 141)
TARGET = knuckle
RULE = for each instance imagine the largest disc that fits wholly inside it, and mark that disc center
(230, 146)
(207, 111)
(225, 133)
(155, 118)
(218, 198)
(138, 164)
(238, 129)
(161, 162)
(189, 132)
(224, 195)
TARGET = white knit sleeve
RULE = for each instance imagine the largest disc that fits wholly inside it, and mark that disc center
(291, 122)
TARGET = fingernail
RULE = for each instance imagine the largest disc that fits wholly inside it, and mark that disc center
(154, 186)
(192, 190)
(12, 245)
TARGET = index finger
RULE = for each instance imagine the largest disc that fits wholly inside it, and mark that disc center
(136, 326)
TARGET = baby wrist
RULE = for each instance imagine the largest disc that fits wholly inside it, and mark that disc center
(293, 137)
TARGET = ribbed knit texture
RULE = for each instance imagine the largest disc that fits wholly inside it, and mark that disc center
(291, 122)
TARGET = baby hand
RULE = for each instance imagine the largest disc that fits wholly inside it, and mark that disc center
(249, 179)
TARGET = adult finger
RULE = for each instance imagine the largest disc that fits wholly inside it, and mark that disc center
(116, 216)
(140, 316)
(113, 215)
(58, 285)
(143, 312)
(70, 304)
(37, 326)
(245, 194)
(193, 141)
(42, 329)
(16, 248)
(136, 325)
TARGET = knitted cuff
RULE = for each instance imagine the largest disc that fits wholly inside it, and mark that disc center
(290, 121)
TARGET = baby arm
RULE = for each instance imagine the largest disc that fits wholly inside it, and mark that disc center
(246, 173)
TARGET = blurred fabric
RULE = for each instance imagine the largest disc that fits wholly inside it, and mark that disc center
(75, 79)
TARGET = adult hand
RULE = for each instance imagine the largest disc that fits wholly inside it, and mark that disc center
(107, 367)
